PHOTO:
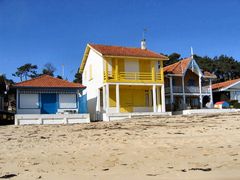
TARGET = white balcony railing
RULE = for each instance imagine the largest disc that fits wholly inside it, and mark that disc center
(189, 89)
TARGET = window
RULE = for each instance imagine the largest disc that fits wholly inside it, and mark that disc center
(85, 75)
(90, 72)
(67, 101)
(191, 82)
(29, 101)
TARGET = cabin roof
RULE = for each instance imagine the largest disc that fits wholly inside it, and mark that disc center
(178, 67)
(225, 84)
(46, 81)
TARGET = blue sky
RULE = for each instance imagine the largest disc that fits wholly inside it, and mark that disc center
(57, 31)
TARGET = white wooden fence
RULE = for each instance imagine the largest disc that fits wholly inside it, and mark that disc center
(21, 119)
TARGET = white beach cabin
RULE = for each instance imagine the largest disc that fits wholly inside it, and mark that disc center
(49, 100)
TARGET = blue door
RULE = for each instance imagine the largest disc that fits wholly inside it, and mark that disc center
(49, 103)
(82, 108)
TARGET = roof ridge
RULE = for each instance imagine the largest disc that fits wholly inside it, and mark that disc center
(115, 46)
(32, 79)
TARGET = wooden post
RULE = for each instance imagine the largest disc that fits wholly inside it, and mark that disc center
(211, 95)
(98, 101)
(158, 99)
(163, 98)
(184, 96)
(154, 98)
(106, 70)
(171, 93)
(200, 91)
(107, 98)
(104, 98)
(116, 69)
(161, 71)
(117, 99)
(153, 70)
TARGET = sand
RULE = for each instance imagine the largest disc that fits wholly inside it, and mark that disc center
(177, 147)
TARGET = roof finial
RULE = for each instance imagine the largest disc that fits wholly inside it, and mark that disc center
(191, 52)
(143, 41)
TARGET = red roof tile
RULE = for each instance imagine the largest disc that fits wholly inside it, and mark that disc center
(46, 81)
(178, 67)
(106, 50)
(224, 84)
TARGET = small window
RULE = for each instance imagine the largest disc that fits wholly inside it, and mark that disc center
(29, 101)
(85, 75)
(90, 72)
(191, 82)
(67, 101)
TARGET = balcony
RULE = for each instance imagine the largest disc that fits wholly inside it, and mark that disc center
(189, 89)
(133, 77)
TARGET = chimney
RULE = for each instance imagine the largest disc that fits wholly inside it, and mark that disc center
(143, 44)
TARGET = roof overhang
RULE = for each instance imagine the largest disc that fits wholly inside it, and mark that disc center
(87, 50)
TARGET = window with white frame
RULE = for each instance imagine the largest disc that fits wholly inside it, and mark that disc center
(29, 101)
(67, 101)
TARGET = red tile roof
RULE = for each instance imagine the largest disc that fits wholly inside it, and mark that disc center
(46, 81)
(224, 84)
(106, 50)
(178, 67)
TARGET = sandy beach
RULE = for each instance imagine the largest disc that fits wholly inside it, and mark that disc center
(177, 147)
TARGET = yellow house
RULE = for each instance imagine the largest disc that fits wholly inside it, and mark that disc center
(122, 81)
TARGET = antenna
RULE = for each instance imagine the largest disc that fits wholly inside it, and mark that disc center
(63, 71)
(191, 52)
(144, 32)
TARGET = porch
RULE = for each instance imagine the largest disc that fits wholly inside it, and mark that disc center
(120, 98)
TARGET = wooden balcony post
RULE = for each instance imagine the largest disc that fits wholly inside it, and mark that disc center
(116, 69)
(161, 71)
(153, 70)
(106, 69)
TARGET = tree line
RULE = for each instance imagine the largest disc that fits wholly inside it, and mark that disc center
(224, 67)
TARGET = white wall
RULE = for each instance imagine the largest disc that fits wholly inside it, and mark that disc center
(96, 61)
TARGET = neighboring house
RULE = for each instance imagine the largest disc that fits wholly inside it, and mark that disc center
(121, 81)
(226, 91)
(187, 87)
(7, 100)
(51, 97)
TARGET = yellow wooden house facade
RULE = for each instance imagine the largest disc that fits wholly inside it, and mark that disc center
(122, 81)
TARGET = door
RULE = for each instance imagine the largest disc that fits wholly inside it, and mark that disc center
(48, 103)
(126, 102)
